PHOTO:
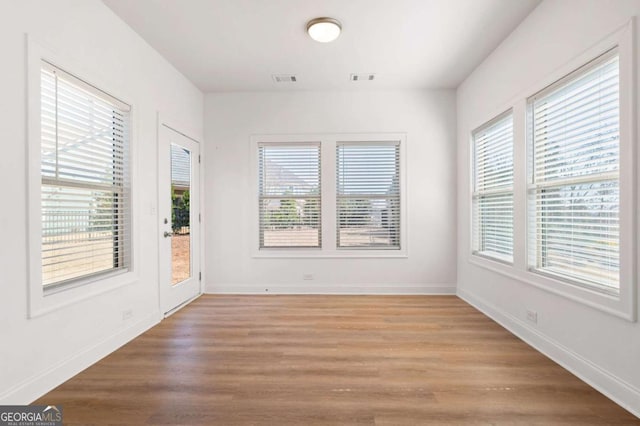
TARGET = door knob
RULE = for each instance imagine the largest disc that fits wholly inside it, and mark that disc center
(168, 234)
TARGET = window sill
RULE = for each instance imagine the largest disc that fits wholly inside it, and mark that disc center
(81, 282)
(482, 255)
(603, 302)
(342, 254)
(44, 301)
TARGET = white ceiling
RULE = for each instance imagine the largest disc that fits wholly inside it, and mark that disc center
(236, 45)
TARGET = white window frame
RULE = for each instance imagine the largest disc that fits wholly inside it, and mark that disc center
(328, 144)
(533, 187)
(624, 305)
(262, 197)
(370, 197)
(477, 194)
(41, 300)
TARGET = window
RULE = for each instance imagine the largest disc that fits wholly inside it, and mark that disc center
(574, 190)
(85, 191)
(350, 206)
(493, 189)
(368, 195)
(289, 195)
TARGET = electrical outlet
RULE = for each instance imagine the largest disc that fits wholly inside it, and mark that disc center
(307, 277)
(127, 314)
(532, 316)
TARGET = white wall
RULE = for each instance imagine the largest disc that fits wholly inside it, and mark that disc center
(427, 118)
(602, 349)
(37, 354)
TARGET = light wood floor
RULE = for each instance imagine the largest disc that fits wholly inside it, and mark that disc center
(330, 360)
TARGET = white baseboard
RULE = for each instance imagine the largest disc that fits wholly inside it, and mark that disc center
(346, 289)
(39, 384)
(616, 389)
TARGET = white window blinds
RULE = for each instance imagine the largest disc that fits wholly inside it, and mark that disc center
(289, 195)
(368, 195)
(85, 193)
(493, 189)
(574, 184)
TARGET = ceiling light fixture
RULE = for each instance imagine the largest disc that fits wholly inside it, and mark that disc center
(324, 30)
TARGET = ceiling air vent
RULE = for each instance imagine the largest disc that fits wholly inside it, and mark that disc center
(284, 78)
(362, 77)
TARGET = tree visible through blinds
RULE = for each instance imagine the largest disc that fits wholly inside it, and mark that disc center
(289, 195)
(368, 195)
(493, 189)
(575, 199)
(85, 179)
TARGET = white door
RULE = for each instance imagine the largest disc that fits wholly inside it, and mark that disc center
(178, 208)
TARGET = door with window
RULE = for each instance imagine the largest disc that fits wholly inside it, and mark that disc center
(179, 207)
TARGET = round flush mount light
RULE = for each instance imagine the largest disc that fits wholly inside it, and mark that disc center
(324, 30)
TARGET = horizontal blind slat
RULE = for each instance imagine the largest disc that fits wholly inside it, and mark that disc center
(85, 197)
(493, 182)
(574, 203)
(368, 196)
(289, 196)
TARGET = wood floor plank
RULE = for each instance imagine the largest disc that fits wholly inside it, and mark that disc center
(330, 360)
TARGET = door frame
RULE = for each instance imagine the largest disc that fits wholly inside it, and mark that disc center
(165, 120)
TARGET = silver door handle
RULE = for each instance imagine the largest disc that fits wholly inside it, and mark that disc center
(168, 234)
